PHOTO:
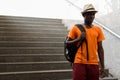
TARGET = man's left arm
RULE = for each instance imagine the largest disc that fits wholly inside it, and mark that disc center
(101, 59)
(101, 54)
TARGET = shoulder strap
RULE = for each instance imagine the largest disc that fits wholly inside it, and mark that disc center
(82, 29)
(80, 26)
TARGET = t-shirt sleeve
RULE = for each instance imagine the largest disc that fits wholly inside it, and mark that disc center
(100, 35)
(72, 33)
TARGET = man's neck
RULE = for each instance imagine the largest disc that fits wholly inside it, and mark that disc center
(88, 25)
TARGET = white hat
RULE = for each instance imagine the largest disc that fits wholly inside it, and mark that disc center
(88, 8)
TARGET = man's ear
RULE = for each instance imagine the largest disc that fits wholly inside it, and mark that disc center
(83, 15)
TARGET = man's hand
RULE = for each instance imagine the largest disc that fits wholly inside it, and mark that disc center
(103, 73)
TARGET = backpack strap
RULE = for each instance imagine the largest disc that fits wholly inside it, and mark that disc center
(82, 29)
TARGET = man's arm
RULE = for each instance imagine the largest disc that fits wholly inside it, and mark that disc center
(101, 59)
(101, 54)
(79, 39)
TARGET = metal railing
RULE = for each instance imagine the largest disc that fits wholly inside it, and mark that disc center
(103, 26)
(106, 28)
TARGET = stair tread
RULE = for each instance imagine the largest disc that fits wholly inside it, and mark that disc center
(31, 47)
(43, 71)
(106, 78)
(28, 42)
(35, 62)
(27, 18)
(2, 55)
(109, 78)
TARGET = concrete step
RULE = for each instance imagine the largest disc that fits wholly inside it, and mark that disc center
(37, 23)
(31, 50)
(42, 75)
(43, 31)
(33, 66)
(34, 34)
(31, 21)
(20, 18)
(30, 27)
(37, 75)
(106, 78)
(30, 44)
(109, 78)
(32, 38)
(31, 57)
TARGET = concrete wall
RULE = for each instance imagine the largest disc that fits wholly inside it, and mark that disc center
(70, 23)
(112, 44)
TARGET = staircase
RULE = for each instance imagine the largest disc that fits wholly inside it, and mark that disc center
(32, 49)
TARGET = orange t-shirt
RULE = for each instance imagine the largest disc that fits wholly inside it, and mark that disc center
(93, 36)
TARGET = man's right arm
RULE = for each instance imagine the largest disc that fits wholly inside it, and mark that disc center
(79, 39)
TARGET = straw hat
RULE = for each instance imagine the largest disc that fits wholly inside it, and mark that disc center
(88, 8)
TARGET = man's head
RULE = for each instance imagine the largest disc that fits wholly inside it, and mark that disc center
(88, 13)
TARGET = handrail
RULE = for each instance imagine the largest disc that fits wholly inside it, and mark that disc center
(74, 5)
(104, 27)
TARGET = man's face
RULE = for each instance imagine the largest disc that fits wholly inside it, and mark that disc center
(89, 17)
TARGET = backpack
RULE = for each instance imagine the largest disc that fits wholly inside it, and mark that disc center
(70, 51)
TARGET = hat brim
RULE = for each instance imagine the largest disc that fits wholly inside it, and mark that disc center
(89, 11)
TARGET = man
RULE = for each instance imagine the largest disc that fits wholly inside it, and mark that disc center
(85, 66)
